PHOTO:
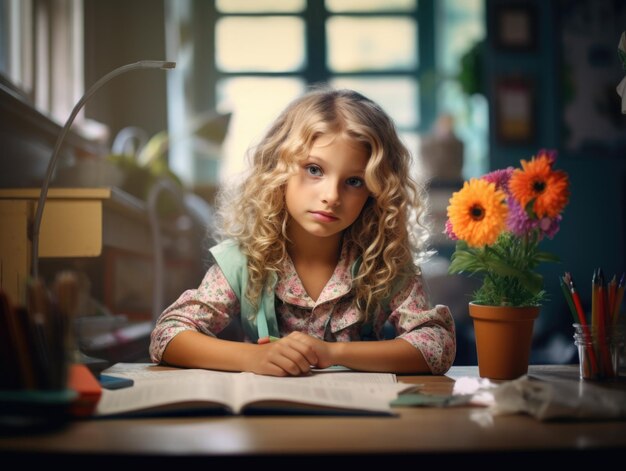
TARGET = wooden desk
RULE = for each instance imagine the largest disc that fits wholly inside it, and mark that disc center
(418, 434)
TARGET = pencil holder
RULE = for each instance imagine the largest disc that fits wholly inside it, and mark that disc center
(599, 352)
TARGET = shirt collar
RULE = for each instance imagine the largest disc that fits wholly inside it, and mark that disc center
(290, 290)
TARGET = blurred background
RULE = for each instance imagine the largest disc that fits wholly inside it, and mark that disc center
(472, 85)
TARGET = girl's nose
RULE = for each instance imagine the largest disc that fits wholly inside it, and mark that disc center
(330, 194)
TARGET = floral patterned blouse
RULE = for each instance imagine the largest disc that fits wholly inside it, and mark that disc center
(213, 305)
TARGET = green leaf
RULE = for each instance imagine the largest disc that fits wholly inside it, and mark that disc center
(461, 245)
(533, 282)
(546, 257)
(504, 269)
(463, 260)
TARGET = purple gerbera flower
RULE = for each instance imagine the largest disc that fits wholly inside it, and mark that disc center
(449, 231)
(500, 178)
(550, 226)
(518, 221)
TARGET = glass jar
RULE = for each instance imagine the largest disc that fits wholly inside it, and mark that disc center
(599, 351)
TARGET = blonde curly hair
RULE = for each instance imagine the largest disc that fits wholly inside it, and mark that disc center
(389, 234)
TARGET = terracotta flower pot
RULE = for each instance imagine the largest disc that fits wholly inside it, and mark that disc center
(503, 339)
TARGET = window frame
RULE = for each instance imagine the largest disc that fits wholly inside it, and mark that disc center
(193, 85)
(316, 71)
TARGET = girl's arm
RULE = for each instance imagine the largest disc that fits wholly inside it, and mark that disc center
(396, 356)
(185, 335)
(207, 310)
(425, 339)
(429, 330)
(289, 356)
(393, 356)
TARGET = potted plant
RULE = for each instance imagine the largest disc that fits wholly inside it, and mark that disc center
(498, 222)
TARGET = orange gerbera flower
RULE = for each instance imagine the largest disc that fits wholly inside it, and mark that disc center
(537, 181)
(478, 212)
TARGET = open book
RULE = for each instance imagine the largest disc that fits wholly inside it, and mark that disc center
(161, 390)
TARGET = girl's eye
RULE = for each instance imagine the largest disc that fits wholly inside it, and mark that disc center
(354, 182)
(314, 170)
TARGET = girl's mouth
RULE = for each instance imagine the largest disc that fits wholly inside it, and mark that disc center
(323, 216)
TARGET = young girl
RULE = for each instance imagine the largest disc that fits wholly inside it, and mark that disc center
(319, 253)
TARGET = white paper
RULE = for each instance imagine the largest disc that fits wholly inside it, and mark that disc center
(559, 400)
(547, 400)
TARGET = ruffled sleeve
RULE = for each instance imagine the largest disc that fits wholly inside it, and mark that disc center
(429, 329)
(207, 309)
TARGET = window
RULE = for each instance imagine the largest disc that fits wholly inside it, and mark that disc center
(16, 43)
(41, 52)
(255, 57)
(461, 27)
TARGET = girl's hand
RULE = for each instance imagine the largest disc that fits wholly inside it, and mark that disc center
(293, 355)
(323, 350)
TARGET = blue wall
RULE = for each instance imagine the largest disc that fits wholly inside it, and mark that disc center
(593, 229)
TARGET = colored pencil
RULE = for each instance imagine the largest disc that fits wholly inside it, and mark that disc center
(602, 331)
(611, 292)
(594, 301)
(583, 322)
(568, 299)
(619, 296)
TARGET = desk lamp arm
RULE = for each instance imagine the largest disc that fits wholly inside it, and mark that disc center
(36, 225)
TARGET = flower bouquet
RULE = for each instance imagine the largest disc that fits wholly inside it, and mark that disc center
(498, 222)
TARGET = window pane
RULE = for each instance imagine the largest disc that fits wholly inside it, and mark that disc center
(411, 140)
(460, 27)
(355, 44)
(398, 96)
(471, 125)
(270, 44)
(247, 6)
(255, 102)
(370, 5)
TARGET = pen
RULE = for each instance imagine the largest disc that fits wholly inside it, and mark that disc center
(268, 339)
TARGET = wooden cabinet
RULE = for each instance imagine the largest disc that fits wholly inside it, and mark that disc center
(71, 227)
(106, 230)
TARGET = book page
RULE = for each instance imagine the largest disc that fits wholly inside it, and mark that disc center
(333, 374)
(157, 387)
(168, 389)
(318, 390)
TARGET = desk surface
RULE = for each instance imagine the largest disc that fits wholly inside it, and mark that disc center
(425, 432)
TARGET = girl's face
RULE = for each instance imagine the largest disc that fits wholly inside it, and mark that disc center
(328, 192)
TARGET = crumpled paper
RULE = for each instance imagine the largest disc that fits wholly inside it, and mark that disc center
(548, 400)
(621, 88)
